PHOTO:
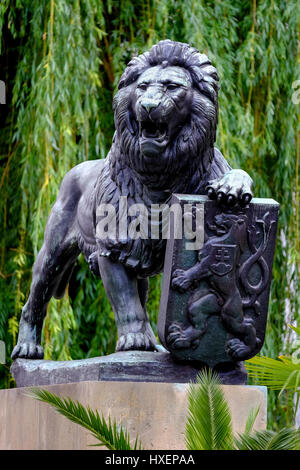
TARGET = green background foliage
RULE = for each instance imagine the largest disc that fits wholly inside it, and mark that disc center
(61, 61)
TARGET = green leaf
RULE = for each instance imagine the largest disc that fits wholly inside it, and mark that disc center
(251, 420)
(110, 435)
(295, 329)
(277, 374)
(209, 424)
(285, 439)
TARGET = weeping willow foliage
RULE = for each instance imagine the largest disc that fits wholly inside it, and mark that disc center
(61, 61)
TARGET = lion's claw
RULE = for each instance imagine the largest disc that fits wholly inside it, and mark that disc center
(180, 280)
(237, 350)
(28, 350)
(135, 341)
(233, 188)
(180, 337)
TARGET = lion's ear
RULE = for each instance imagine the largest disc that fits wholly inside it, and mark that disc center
(136, 66)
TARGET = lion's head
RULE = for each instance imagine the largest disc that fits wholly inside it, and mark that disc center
(166, 112)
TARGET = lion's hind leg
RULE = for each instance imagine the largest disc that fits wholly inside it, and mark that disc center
(51, 272)
(244, 340)
(200, 308)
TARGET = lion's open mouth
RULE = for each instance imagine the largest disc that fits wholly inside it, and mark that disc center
(153, 130)
(153, 138)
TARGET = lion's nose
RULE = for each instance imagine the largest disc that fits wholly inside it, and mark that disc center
(150, 104)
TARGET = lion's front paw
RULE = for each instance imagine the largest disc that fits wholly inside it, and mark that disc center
(234, 188)
(237, 350)
(136, 341)
(180, 280)
(28, 350)
(181, 337)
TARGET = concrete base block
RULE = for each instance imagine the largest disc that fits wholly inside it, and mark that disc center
(155, 411)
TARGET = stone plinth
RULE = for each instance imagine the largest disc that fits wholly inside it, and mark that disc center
(135, 366)
(155, 411)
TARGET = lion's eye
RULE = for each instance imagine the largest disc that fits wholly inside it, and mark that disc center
(142, 86)
(172, 86)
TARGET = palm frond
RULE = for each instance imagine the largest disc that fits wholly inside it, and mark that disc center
(285, 439)
(110, 435)
(251, 420)
(277, 374)
(209, 424)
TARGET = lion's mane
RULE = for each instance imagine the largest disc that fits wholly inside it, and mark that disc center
(189, 161)
(189, 156)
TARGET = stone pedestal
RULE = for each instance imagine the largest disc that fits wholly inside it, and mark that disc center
(145, 391)
(135, 366)
(155, 411)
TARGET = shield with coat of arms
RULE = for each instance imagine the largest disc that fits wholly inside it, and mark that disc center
(223, 257)
(214, 301)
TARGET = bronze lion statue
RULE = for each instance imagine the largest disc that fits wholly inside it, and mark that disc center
(166, 111)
